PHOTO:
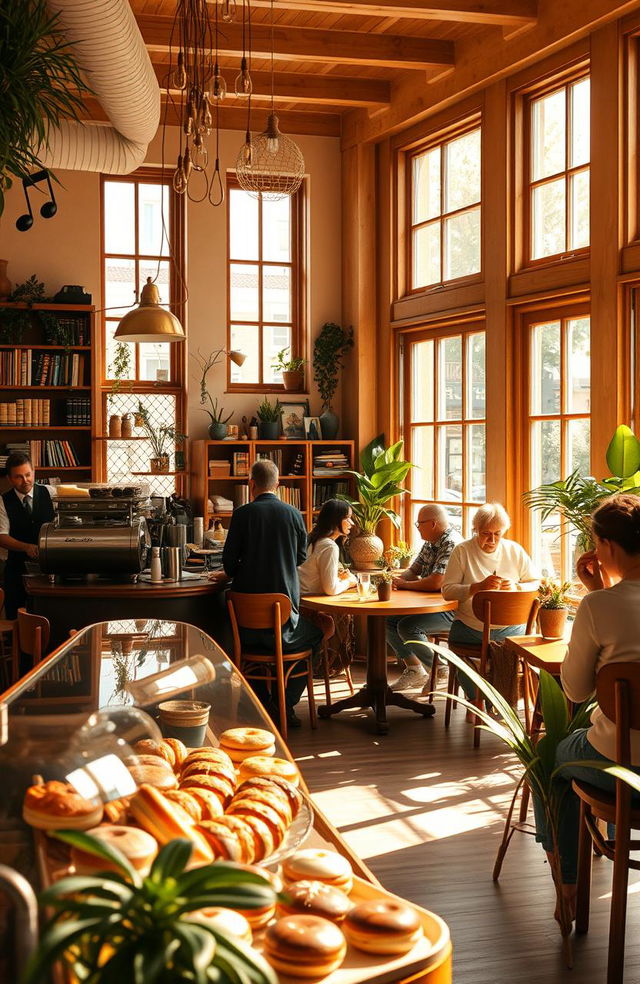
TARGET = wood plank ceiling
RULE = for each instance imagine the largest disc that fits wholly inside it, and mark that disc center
(335, 56)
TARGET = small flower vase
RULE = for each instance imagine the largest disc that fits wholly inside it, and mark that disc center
(160, 465)
(127, 425)
(552, 622)
(384, 590)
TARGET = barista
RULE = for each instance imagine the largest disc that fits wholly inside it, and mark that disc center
(23, 510)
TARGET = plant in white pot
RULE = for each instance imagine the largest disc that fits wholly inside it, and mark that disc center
(383, 470)
(292, 370)
(329, 349)
(553, 611)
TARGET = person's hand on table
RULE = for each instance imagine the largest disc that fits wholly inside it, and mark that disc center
(218, 577)
(507, 585)
(591, 573)
(32, 551)
(399, 583)
(490, 583)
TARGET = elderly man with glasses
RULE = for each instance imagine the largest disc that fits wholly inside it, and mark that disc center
(425, 574)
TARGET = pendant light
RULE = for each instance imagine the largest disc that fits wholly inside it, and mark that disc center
(149, 321)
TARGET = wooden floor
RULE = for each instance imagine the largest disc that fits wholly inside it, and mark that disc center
(426, 813)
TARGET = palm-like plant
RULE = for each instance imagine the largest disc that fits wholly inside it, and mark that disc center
(120, 926)
(379, 482)
(41, 85)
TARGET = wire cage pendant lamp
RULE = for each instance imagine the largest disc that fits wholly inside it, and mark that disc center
(271, 164)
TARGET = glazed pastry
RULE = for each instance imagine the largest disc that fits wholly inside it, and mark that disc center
(316, 864)
(245, 835)
(146, 759)
(179, 751)
(383, 926)
(276, 786)
(228, 921)
(207, 754)
(291, 791)
(116, 811)
(314, 898)
(222, 841)
(264, 843)
(304, 946)
(188, 803)
(57, 806)
(147, 746)
(160, 775)
(207, 767)
(165, 821)
(269, 794)
(266, 765)
(245, 806)
(218, 785)
(138, 847)
(210, 806)
(240, 743)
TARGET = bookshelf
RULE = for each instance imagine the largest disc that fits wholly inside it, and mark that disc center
(220, 471)
(46, 375)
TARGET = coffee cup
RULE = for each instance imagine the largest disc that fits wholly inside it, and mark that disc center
(186, 720)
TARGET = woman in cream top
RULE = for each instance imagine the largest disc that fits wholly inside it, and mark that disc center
(321, 572)
(606, 630)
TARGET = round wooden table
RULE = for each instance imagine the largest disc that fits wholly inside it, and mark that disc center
(376, 693)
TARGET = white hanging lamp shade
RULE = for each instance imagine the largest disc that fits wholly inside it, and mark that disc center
(149, 321)
(270, 164)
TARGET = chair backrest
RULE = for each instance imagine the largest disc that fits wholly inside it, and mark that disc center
(33, 634)
(505, 608)
(618, 694)
(257, 611)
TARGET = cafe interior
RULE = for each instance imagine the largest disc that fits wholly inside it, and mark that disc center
(389, 253)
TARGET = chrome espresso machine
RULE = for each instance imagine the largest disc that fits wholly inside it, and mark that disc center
(98, 529)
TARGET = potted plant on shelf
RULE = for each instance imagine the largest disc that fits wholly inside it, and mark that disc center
(163, 439)
(379, 482)
(269, 417)
(553, 611)
(117, 925)
(292, 370)
(385, 584)
(218, 426)
(329, 349)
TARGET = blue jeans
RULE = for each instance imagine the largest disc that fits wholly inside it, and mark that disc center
(405, 629)
(574, 748)
(466, 636)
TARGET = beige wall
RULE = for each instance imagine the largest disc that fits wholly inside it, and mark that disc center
(66, 249)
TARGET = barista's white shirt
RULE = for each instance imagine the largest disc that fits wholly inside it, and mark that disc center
(4, 519)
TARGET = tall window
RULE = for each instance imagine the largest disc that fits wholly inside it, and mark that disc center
(559, 405)
(264, 297)
(445, 412)
(140, 233)
(445, 211)
(558, 170)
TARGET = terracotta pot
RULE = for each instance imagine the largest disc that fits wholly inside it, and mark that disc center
(5, 284)
(159, 466)
(552, 622)
(365, 551)
(127, 425)
(115, 425)
(293, 379)
(384, 590)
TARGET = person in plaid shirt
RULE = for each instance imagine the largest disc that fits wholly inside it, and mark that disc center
(425, 574)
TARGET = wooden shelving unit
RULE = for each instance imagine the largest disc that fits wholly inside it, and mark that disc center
(308, 488)
(32, 338)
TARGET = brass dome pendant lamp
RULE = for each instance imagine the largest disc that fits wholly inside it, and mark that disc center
(149, 321)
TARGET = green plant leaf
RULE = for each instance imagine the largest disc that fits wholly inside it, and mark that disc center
(171, 860)
(623, 453)
(53, 942)
(369, 454)
(199, 947)
(610, 768)
(553, 704)
(78, 838)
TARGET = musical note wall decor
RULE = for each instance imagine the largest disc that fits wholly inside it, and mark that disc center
(47, 211)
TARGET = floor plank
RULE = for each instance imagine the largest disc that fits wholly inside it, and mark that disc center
(425, 811)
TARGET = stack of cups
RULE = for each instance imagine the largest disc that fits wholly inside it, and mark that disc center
(198, 530)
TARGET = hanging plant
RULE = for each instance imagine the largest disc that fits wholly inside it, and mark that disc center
(329, 349)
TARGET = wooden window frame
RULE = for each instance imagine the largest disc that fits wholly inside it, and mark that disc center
(565, 81)
(298, 266)
(435, 333)
(440, 139)
(564, 311)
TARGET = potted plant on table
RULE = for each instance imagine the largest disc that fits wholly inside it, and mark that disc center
(119, 926)
(329, 349)
(553, 611)
(163, 439)
(292, 370)
(379, 482)
(269, 417)
(385, 584)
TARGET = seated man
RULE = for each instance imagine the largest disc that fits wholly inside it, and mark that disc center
(266, 542)
(425, 574)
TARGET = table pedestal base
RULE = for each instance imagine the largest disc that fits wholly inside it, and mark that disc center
(376, 693)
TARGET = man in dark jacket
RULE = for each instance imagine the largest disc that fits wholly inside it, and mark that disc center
(266, 543)
(23, 510)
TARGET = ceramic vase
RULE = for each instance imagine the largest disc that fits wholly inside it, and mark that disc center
(217, 430)
(384, 590)
(365, 551)
(269, 430)
(330, 423)
(552, 622)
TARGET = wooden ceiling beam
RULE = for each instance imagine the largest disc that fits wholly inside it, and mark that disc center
(235, 118)
(507, 13)
(320, 90)
(315, 45)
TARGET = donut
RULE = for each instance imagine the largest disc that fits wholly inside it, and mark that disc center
(210, 806)
(383, 926)
(304, 946)
(258, 918)
(266, 765)
(245, 806)
(241, 743)
(223, 842)
(269, 794)
(159, 775)
(179, 751)
(207, 754)
(314, 898)
(210, 768)
(291, 791)
(165, 821)
(138, 847)
(316, 864)
(228, 921)
(57, 806)
(188, 803)
(218, 785)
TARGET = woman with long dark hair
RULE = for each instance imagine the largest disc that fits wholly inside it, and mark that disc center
(322, 572)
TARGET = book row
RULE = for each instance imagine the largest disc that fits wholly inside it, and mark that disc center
(32, 368)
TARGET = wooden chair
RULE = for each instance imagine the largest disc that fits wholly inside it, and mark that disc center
(8, 647)
(492, 608)
(269, 611)
(438, 638)
(33, 635)
(618, 694)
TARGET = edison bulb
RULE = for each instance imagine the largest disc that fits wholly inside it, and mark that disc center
(187, 164)
(179, 180)
(228, 10)
(180, 76)
(247, 153)
(219, 89)
(273, 145)
(243, 83)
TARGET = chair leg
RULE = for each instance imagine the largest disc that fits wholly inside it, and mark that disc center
(583, 899)
(524, 804)
(452, 688)
(476, 722)
(347, 673)
(617, 923)
(325, 670)
(433, 680)
(313, 717)
(282, 702)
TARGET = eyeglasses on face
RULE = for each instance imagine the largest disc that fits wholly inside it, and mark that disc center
(419, 522)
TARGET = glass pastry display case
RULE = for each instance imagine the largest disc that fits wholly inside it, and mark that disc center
(129, 704)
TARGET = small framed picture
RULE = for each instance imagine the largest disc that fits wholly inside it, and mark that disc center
(312, 429)
(293, 416)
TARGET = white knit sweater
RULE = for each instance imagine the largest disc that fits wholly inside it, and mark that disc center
(319, 573)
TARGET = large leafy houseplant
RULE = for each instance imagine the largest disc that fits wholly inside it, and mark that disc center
(575, 498)
(41, 85)
(537, 755)
(117, 927)
(383, 471)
